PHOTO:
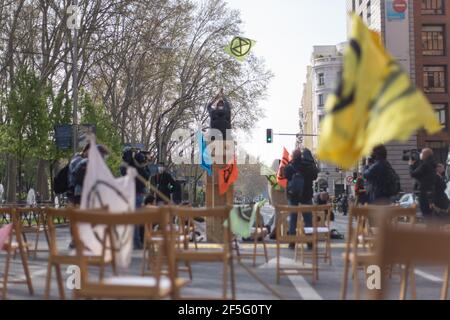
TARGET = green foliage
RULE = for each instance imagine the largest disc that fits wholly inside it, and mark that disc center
(27, 127)
(106, 133)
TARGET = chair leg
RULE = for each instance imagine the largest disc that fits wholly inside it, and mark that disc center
(404, 282)
(48, 281)
(25, 267)
(255, 246)
(278, 263)
(344, 280)
(265, 251)
(444, 291)
(413, 283)
(5, 276)
(60, 280)
(36, 242)
(356, 281)
(225, 279)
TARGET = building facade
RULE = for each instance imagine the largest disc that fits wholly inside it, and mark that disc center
(432, 60)
(395, 20)
(321, 79)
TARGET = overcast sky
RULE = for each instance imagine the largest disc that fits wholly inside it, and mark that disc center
(286, 31)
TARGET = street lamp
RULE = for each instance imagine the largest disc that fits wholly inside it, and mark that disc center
(73, 24)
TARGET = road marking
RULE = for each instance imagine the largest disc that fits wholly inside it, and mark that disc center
(427, 276)
(284, 263)
(304, 289)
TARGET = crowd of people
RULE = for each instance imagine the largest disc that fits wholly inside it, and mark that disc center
(377, 184)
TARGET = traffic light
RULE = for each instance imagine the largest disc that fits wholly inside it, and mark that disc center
(269, 136)
(355, 177)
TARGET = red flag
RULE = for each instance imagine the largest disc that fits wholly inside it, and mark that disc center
(4, 235)
(227, 176)
(282, 181)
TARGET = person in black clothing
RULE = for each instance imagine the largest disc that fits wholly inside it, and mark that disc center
(164, 182)
(306, 166)
(424, 171)
(440, 200)
(138, 160)
(376, 173)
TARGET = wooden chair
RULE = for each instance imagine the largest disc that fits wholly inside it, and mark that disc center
(56, 258)
(363, 234)
(181, 229)
(225, 255)
(33, 222)
(303, 235)
(11, 248)
(405, 245)
(127, 287)
(323, 235)
(259, 233)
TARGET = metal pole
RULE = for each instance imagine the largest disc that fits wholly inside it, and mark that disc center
(75, 85)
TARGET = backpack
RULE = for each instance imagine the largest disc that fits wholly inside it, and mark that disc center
(391, 183)
(296, 185)
(61, 181)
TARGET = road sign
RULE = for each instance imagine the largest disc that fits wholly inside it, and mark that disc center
(63, 136)
(349, 180)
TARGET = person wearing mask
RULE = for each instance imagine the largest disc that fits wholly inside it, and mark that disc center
(424, 171)
(382, 181)
(302, 165)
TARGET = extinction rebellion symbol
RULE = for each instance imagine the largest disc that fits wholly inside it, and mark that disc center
(240, 47)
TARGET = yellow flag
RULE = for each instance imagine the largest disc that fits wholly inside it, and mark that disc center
(240, 48)
(374, 103)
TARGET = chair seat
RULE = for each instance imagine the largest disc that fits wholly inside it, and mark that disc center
(319, 230)
(362, 258)
(89, 255)
(137, 281)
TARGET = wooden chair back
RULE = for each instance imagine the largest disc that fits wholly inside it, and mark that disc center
(147, 216)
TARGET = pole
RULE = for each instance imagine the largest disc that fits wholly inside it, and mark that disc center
(75, 84)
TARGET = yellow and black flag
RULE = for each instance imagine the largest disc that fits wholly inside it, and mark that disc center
(240, 48)
(375, 102)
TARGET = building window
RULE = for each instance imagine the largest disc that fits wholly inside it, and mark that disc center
(433, 40)
(321, 79)
(441, 111)
(321, 117)
(320, 100)
(432, 6)
(369, 13)
(434, 79)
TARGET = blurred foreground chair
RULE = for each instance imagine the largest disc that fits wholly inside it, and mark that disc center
(258, 234)
(303, 236)
(126, 287)
(223, 254)
(405, 245)
(323, 216)
(56, 258)
(361, 236)
(33, 223)
(14, 231)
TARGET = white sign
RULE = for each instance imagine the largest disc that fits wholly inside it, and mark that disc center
(73, 21)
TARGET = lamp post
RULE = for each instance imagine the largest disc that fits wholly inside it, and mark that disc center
(73, 24)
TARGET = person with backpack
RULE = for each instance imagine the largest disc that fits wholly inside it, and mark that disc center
(300, 172)
(382, 180)
(424, 171)
(441, 202)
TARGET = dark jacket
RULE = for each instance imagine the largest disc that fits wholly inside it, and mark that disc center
(425, 174)
(144, 172)
(307, 167)
(440, 197)
(376, 175)
(164, 183)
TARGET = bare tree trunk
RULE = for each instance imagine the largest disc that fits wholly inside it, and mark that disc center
(12, 179)
(42, 179)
